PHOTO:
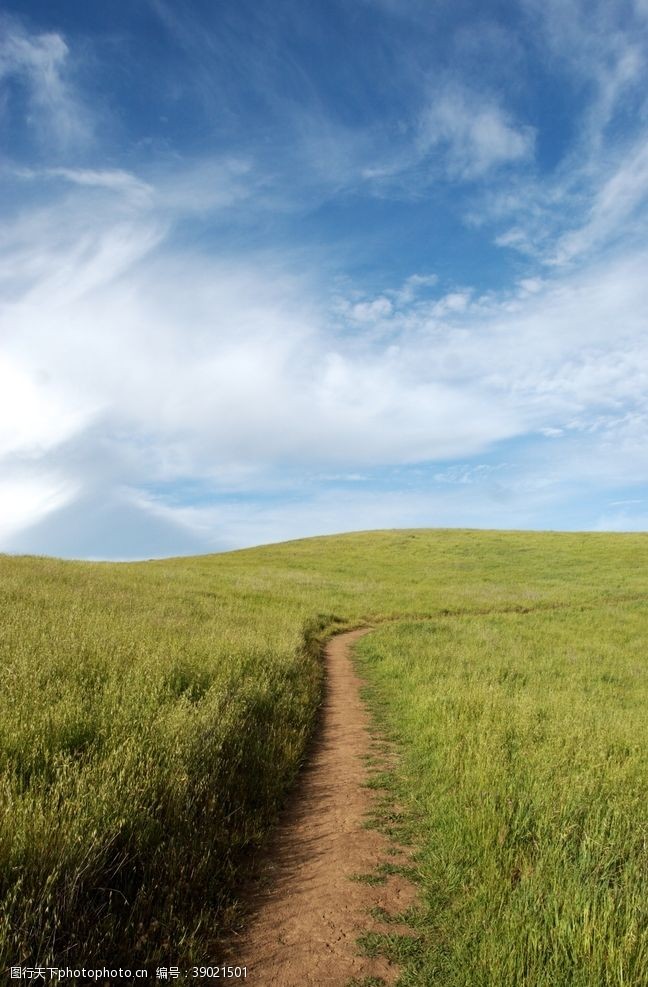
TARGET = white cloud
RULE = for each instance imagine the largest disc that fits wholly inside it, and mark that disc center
(130, 362)
(378, 308)
(474, 134)
(115, 179)
(24, 502)
(530, 286)
(596, 193)
(414, 291)
(41, 62)
(34, 415)
(413, 286)
(207, 185)
(617, 208)
(459, 135)
(596, 43)
(602, 203)
(453, 302)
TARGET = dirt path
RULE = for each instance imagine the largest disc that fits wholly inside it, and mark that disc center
(306, 924)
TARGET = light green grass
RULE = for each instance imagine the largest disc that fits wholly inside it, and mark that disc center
(152, 714)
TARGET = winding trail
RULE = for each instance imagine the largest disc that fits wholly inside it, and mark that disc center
(308, 916)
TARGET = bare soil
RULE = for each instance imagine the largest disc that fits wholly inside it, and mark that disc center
(307, 910)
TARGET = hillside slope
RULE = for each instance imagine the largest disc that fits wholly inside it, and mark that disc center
(152, 714)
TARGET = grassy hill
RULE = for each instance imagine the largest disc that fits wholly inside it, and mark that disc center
(153, 714)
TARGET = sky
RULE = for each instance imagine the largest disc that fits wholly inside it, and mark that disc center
(279, 268)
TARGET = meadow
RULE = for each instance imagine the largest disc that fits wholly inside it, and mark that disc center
(524, 778)
(152, 716)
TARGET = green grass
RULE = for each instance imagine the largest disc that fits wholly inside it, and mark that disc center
(153, 714)
(525, 756)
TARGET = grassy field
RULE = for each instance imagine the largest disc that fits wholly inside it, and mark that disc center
(152, 715)
(525, 781)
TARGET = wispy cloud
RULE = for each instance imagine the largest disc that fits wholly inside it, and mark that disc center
(195, 366)
(114, 179)
(268, 314)
(600, 44)
(473, 134)
(597, 192)
(40, 63)
(618, 208)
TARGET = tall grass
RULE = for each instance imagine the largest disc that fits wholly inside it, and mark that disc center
(153, 714)
(147, 734)
(526, 762)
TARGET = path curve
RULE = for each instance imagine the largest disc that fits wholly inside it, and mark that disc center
(306, 924)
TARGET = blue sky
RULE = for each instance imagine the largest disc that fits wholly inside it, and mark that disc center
(278, 269)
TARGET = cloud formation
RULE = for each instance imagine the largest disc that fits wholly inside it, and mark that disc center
(202, 350)
(38, 63)
(474, 134)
